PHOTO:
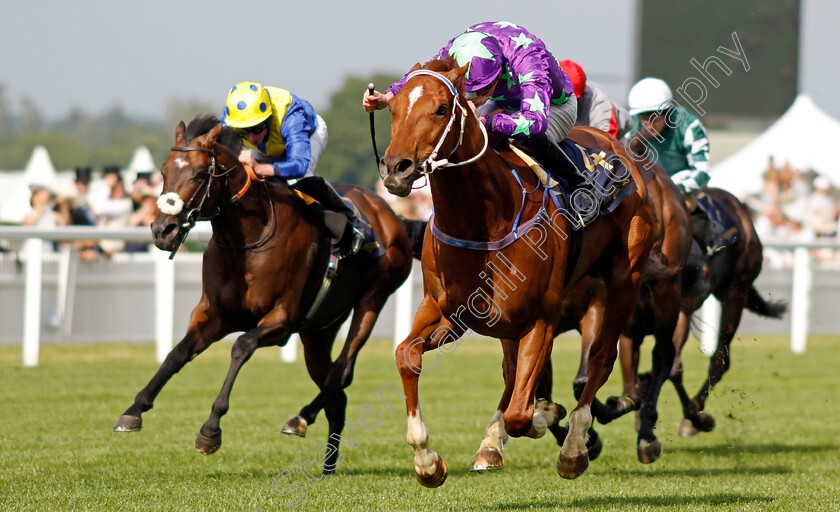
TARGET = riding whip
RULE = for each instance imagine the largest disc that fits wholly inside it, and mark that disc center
(371, 88)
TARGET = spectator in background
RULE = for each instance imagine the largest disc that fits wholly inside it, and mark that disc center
(142, 188)
(42, 213)
(81, 213)
(771, 224)
(144, 215)
(111, 205)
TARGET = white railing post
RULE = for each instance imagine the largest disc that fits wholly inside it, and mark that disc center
(403, 317)
(710, 314)
(164, 303)
(800, 300)
(32, 301)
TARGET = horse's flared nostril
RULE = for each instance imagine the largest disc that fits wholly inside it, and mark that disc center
(404, 165)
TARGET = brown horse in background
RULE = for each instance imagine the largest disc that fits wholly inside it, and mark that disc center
(262, 273)
(729, 275)
(514, 293)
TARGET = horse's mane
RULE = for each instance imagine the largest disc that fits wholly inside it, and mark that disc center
(440, 65)
(204, 123)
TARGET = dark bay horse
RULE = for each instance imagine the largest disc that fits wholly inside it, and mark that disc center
(262, 272)
(728, 275)
(514, 292)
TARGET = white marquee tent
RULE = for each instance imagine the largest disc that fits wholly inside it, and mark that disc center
(804, 136)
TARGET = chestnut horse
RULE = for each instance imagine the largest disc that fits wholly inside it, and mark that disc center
(262, 274)
(662, 284)
(514, 292)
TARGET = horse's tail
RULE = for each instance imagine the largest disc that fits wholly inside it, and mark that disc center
(657, 268)
(759, 306)
(416, 230)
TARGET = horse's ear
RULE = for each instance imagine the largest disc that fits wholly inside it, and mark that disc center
(179, 133)
(212, 135)
(416, 67)
(456, 76)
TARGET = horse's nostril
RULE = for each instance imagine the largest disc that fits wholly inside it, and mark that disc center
(404, 165)
(169, 229)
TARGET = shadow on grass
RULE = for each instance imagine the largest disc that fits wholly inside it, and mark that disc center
(665, 502)
(739, 450)
(739, 470)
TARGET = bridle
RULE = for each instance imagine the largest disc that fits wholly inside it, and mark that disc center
(430, 164)
(193, 214)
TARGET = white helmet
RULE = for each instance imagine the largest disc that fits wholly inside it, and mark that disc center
(649, 95)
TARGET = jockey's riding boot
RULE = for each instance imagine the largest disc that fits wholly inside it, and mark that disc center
(548, 153)
(702, 229)
(351, 237)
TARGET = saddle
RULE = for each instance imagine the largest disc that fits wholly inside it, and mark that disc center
(604, 182)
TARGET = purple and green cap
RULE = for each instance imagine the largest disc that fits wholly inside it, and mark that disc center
(484, 55)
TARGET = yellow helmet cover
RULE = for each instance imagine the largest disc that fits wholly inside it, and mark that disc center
(248, 104)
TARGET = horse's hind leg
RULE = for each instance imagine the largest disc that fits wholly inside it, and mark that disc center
(666, 305)
(273, 329)
(317, 351)
(732, 302)
(203, 331)
(341, 372)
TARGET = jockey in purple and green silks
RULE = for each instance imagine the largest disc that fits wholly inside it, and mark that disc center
(529, 83)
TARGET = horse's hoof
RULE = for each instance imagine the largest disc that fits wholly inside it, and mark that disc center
(594, 445)
(687, 428)
(487, 459)
(704, 422)
(296, 426)
(621, 405)
(572, 467)
(128, 423)
(649, 452)
(436, 479)
(208, 445)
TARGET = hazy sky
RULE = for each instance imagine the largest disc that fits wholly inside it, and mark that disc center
(97, 54)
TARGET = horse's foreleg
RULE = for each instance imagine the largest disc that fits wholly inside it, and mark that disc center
(533, 353)
(272, 329)
(691, 415)
(204, 330)
(489, 454)
(574, 459)
(429, 330)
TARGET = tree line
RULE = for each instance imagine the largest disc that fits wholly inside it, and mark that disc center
(111, 138)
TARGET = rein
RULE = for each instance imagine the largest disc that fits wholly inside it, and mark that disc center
(194, 212)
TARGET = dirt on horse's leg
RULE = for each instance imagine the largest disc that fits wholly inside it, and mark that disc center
(429, 329)
(200, 335)
(273, 326)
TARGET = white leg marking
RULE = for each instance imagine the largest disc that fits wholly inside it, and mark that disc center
(495, 436)
(425, 460)
(413, 96)
(579, 422)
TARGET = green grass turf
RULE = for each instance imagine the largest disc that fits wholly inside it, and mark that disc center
(775, 445)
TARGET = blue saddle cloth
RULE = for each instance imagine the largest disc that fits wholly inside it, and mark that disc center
(608, 183)
(725, 226)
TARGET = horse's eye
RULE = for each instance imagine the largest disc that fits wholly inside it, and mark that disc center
(441, 111)
(200, 176)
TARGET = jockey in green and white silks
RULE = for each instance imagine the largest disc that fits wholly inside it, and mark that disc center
(674, 137)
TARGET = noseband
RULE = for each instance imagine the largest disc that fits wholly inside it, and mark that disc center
(430, 164)
(194, 210)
